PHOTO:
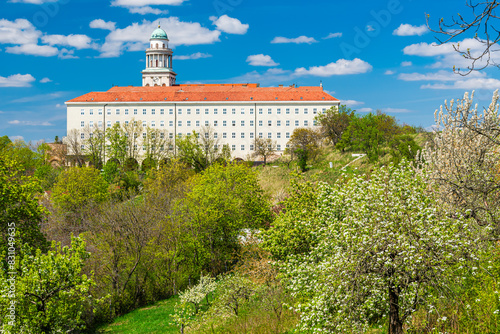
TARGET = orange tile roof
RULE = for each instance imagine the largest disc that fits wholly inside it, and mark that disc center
(210, 93)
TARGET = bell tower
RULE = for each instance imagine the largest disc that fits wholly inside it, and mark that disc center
(158, 70)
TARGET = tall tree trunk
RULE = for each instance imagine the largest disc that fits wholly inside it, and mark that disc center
(395, 324)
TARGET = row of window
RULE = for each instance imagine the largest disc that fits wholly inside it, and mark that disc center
(197, 111)
(171, 147)
(242, 135)
(207, 123)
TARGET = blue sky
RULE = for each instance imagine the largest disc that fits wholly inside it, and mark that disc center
(369, 54)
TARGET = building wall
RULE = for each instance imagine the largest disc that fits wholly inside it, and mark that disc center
(235, 123)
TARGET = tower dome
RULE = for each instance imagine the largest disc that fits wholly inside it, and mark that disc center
(159, 33)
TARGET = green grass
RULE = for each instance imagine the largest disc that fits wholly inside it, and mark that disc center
(153, 319)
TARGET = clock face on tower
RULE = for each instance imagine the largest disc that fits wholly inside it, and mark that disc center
(156, 79)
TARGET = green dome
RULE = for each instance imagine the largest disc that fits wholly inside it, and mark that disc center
(159, 34)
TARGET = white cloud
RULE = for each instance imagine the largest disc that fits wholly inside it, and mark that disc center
(351, 103)
(35, 2)
(197, 55)
(45, 80)
(406, 63)
(229, 25)
(389, 72)
(395, 110)
(76, 41)
(409, 30)
(333, 35)
(261, 60)
(298, 40)
(142, 3)
(30, 123)
(468, 84)
(340, 67)
(20, 31)
(438, 76)
(33, 50)
(14, 138)
(17, 80)
(133, 37)
(146, 10)
(38, 98)
(365, 110)
(101, 24)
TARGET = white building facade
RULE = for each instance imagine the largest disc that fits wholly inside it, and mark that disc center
(236, 113)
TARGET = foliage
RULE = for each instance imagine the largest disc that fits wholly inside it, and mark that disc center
(334, 122)
(264, 147)
(223, 201)
(462, 161)
(94, 145)
(403, 147)
(196, 294)
(117, 143)
(78, 187)
(304, 142)
(381, 245)
(51, 293)
(19, 207)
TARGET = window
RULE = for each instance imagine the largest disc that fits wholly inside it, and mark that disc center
(278, 147)
(189, 111)
(162, 123)
(135, 147)
(306, 111)
(206, 111)
(153, 124)
(162, 135)
(170, 123)
(144, 124)
(108, 124)
(287, 135)
(179, 123)
(206, 135)
(242, 123)
(91, 135)
(188, 123)
(91, 124)
(162, 111)
(126, 111)
(144, 135)
(82, 135)
(99, 124)
(233, 111)
(224, 111)
(144, 111)
(82, 147)
(82, 112)
(278, 123)
(215, 112)
(91, 111)
(171, 135)
(269, 123)
(287, 123)
(207, 123)
(296, 123)
(233, 147)
(306, 123)
(215, 123)
(315, 123)
(153, 111)
(269, 135)
(215, 135)
(233, 135)
(197, 111)
(251, 135)
(224, 123)
(242, 147)
(278, 111)
(171, 111)
(269, 111)
(251, 111)
(296, 110)
(251, 123)
(278, 135)
(243, 111)
(224, 135)
(117, 111)
(233, 123)
(260, 135)
(260, 123)
(260, 111)
(198, 123)
(251, 147)
(287, 111)
(100, 111)
(117, 122)
(144, 147)
(135, 111)
(179, 135)
(315, 110)
(243, 135)
(109, 112)
(82, 124)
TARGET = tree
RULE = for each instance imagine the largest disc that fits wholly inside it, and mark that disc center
(264, 147)
(304, 143)
(403, 147)
(156, 145)
(74, 142)
(20, 212)
(462, 161)
(116, 146)
(78, 187)
(51, 293)
(334, 122)
(481, 26)
(94, 146)
(382, 247)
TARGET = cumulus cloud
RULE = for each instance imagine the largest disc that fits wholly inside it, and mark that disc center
(20, 31)
(30, 123)
(229, 25)
(333, 35)
(298, 40)
(101, 24)
(406, 63)
(261, 60)
(76, 41)
(468, 84)
(340, 67)
(146, 10)
(395, 110)
(409, 30)
(17, 80)
(365, 110)
(141, 3)
(133, 37)
(45, 80)
(351, 103)
(33, 50)
(437, 76)
(389, 72)
(197, 55)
